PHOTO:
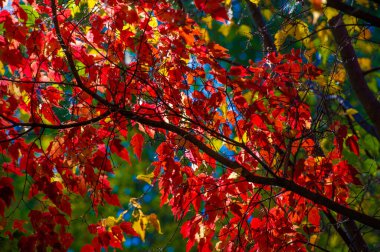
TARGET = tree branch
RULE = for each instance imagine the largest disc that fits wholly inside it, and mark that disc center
(57, 126)
(280, 182)
(356, 12)
(355, 235)
(277, 181)
(69, 57)
(261, 26)
(339, 229)
(355, 74)
(376, 1)
(371, 70)
(359, 119)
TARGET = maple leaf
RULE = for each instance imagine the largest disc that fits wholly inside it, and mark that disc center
(352, 143)
(137, 143)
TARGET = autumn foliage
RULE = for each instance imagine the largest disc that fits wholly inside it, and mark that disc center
(237, 152)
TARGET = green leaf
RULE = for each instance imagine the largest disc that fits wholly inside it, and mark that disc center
(32, 14)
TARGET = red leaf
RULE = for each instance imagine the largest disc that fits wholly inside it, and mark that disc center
(6, 193)
(352, 143)
(87, 248)
(314, 217)
(19, 225)
(65, 206)
(2, 207)
(117, 232)
(92, 228)
(137, 143)
(120, 150)
(238, 71)
(112, 199)
(104, 238)
(215, 8)
(127, 228)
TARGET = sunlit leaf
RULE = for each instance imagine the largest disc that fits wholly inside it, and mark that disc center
(146, 178)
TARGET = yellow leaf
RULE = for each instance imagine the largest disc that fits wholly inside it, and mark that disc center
(204, 35)
(330, 86)
(313, 240)
(129, 27)
(153, 22)
(2, 70)
(330, 13)
(208, 21)
(350, 112)
(225, 29)
(108, 119)
(351, 21)
(298, 29)
(318, 160)
(365, 46)
(109, 221)
(250, 97)
(245, 31)
(244, 139)
(267, 14)
(217, 143)
(145, 67)
(224, 109)
(339, 74)
(302, 32)
(135, 203)
(140, 226)
(91, 3)
(74, 8)
(309, 54)
(365, 63)
(255, 1)
(279, 38)
(56, 178)
(146, 178)
(156, 37)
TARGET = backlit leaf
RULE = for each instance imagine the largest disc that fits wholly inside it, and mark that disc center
(137, 143)
(146, 178)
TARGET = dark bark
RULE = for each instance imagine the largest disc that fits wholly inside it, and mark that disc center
(371, 70)
(339, 229)
(355, 74)
(261, 26)
(355, 235)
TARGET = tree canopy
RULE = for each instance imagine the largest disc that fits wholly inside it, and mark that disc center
(256, 122)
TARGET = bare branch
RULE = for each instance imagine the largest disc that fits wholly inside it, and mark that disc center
(371, 70)
(339, 229)
(57, 126)
(261, 26)
(355, 74)
(356, 12)
(280, 182)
